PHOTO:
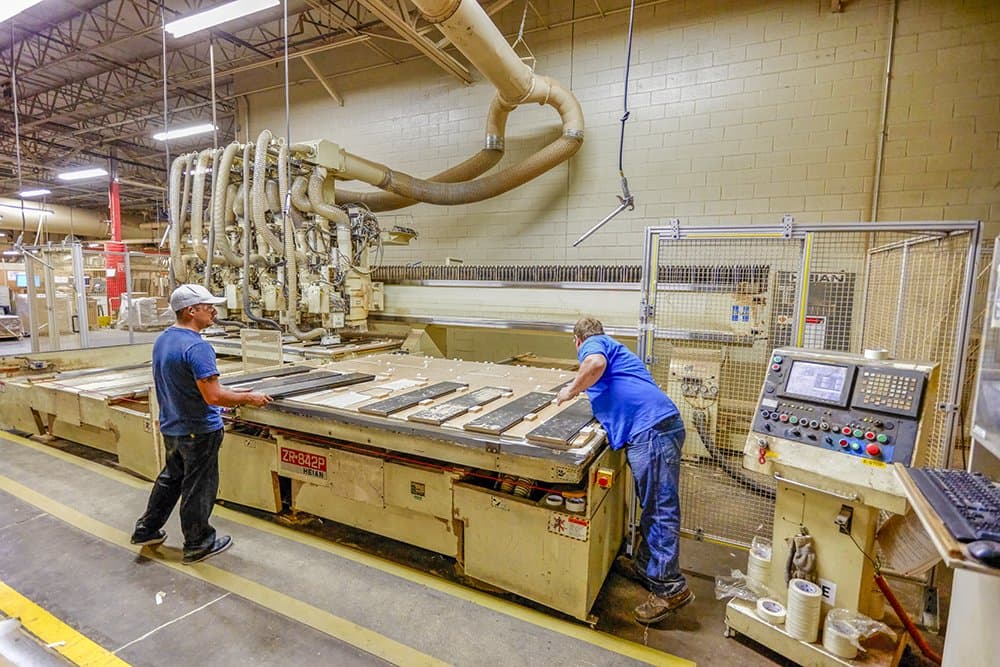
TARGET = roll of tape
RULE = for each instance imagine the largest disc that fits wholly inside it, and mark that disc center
(758, 569)
(576, 504)
(554, 500)
(837, 641)
(771, 611)
(805, 588)
(804, 599)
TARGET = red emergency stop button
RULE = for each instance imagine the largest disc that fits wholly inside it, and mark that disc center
(605, 478)
(873, 450)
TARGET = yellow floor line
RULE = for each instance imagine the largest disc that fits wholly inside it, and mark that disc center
(335, 626)
(63, 639)
(601, 639)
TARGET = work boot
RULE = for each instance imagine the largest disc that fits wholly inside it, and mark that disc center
(221, 544)
(658, 607)
(627, 568)
(152, 540)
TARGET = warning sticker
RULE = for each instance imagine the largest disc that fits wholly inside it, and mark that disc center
(569, 526)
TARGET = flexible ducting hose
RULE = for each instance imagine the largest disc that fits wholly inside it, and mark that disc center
(292, 283)
(209, 261)
(224, 200)
(198, 202)
(176, 169)
(700, 420)
(476, 165)
(257, 198)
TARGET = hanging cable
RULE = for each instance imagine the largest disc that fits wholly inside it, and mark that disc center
(625, 200)
(166, 142)
(17, 134)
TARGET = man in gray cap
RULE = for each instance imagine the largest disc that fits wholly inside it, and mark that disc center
(188, 391)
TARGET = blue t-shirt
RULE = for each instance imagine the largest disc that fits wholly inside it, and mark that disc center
(181, 356)
(625, 399)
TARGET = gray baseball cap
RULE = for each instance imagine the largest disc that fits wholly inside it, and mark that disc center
(192, 295)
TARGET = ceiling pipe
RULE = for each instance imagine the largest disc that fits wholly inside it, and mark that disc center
(472, 31)
(80, 222)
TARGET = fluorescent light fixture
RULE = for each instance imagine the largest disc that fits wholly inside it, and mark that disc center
(11, 253)
(28, 209)
(40, 192)
(184, 132)
(217, 15)
(14, 7)
(81, 174)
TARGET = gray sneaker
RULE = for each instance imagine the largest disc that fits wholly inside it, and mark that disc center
(657, 607)
(221, 544)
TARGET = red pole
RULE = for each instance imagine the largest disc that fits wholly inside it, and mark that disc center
(115, 259)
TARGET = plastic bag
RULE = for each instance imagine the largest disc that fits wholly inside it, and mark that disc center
(739, 586)
(844, 629)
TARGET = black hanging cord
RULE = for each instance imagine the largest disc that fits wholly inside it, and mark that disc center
(625, 200)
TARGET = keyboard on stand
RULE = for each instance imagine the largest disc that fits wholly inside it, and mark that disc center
(967, 502)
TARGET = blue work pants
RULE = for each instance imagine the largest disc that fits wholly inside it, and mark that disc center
(655, 458)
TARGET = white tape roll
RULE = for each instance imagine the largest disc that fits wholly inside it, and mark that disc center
(771, 611)
(758, 569)
(804, 599)
(836, 640)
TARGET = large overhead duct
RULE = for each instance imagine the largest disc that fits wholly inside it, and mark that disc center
(79, 222)
(294, 250)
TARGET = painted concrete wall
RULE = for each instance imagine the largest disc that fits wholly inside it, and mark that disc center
(741, 111)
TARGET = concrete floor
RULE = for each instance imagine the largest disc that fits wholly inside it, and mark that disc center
(314, 591)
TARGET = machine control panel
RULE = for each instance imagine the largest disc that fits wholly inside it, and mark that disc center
(843, 403)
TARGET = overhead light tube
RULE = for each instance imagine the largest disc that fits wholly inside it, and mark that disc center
(80, 174)
(40, 192)
(184, 132)
(217, 15)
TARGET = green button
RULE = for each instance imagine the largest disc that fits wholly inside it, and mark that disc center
(793, 419)
(855, 447)
(882, 437)
(858, 433)
(777, 359)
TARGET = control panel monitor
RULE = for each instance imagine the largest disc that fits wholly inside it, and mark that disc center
(820, 382)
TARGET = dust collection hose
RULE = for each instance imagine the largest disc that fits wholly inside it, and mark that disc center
(701, 425)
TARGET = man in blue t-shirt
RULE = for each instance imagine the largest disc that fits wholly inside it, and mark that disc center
(188, 391)
(638, 416)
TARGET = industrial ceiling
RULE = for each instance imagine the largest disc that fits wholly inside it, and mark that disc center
(90, 79)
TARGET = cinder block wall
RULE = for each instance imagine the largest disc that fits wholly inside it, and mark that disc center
(741, 111)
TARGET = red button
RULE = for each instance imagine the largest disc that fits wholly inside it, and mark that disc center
(783, 418)
(873, 450)
(846, 430)
(869, 435)
(775, 367)
(843, 442)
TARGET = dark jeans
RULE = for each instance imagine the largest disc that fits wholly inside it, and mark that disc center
(191, 474)
(655, 458)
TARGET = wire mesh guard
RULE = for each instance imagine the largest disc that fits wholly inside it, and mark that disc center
(721, 304)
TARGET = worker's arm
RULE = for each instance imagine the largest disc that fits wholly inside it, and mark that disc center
(215, 394)
(590, 372)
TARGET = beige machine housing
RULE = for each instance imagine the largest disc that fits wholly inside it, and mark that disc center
(479, 496)
(828, 429)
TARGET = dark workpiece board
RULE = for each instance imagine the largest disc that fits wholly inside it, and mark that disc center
(439, 414)
(560, 429)
(500, 420)
(264, 375)
(410, 398)
(320, 384)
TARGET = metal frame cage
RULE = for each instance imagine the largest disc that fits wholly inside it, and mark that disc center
(717, 300)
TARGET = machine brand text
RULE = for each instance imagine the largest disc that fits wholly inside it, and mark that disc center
(306, 460)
